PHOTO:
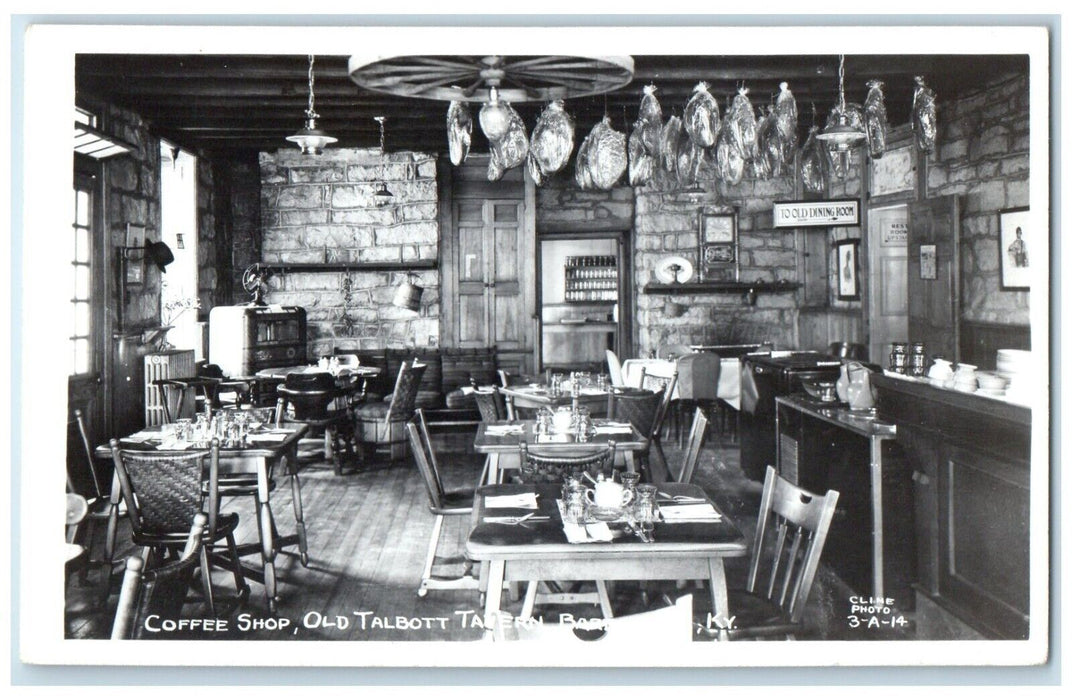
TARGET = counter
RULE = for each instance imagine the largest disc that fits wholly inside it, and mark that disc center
(971, 459)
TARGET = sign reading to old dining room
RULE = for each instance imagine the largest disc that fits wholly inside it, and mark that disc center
(836, 212)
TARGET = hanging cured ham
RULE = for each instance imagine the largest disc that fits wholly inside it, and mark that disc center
(702, 117)
(668, 149)
(459, 131)
(606, 155)
(741, 123)
(511, 150)
(785, 115)
(875, 119)
(552, 139)
(729, 161)
(811, 164)
(770, 149)
(645, 140)
(924, 119)
(582, 175)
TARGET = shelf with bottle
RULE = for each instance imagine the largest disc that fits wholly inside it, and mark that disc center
(591, 278)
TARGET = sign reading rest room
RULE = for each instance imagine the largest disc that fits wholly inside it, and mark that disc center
(833, 212)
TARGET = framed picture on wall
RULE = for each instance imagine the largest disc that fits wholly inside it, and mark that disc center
(717, 256)
(848, 270)
(1015, 248)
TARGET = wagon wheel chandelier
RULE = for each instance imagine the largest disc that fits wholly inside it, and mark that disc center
(492, 80)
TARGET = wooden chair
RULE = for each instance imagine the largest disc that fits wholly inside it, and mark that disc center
(657, 428)
(75, 553)
(442, 503)
(161, 591)
(164, 491)
(554, 468)
(693, 448)
(382, 423)
(307, 399)
(490, 404)
(84, 478)
(614, 367)
(796, 523)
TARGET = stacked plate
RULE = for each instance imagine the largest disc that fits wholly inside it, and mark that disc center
(1017, 366)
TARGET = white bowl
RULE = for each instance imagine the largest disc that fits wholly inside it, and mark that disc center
(991, 381)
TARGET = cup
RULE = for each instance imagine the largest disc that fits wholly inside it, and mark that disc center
(576, 506)
(629, 483)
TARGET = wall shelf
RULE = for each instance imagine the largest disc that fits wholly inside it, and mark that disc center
(350, 267)
(720, 287)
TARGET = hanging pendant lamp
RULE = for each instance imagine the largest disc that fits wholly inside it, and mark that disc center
(310, 139)
(382, 196)
(841, 134)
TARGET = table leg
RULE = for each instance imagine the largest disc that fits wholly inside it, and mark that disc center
(493, 468)
(299, 513)
(493, 598)
(720, 602)
(630, 462)
(266, 528)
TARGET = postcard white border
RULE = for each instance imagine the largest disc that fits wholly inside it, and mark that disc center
(48, 90)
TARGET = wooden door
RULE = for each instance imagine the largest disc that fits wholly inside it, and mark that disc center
(888, 263)
(506, 308)
(934, 301)
(471, 313)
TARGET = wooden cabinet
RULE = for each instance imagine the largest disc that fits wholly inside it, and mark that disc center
(972, 491)
(488, 243)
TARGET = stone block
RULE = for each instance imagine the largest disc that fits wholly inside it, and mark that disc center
(133, 209)
(352, 196)
(954, 149)
(411, 233)
(993, 140)
(426, 169)
(424, 211)
(1015, 165)
(380, 253)
(987, 196)
(1017, 193)
(301, 217)
(323, 174)
(123, 174)
(385, 216)
(301, 197)
(772, 258)
(986, 254)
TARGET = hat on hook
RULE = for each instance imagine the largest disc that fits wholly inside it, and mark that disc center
(159, 253)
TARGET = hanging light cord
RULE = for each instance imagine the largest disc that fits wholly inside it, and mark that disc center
(841, 82)
(311, 113)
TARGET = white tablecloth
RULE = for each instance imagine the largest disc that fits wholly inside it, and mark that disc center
(729, 379)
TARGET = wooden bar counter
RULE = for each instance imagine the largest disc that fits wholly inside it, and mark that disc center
(971, 459)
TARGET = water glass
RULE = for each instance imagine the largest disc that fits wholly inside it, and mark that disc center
(576, 506)
(629, 484)
(183, 429)
(644, 506)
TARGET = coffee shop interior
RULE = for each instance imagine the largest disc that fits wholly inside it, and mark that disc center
(553, 337)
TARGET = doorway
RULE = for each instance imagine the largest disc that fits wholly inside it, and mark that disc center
(178, 218)
(887, 235)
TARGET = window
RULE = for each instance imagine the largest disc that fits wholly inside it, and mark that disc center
(80, 319)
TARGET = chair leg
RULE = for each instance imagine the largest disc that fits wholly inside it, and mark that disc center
(206, 581)
(604, 599)
(236, 568)
(433, 545)
(299, 516)
(530, 599)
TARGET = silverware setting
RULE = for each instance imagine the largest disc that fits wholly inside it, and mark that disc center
(680, 499)
(514, 520)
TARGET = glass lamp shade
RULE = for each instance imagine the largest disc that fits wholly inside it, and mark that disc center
(312, 140)
(842, 135)
(408, 296)
(494, 118)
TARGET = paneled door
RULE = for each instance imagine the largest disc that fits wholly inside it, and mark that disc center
(887, 230)
(490, 273)
(933, 275)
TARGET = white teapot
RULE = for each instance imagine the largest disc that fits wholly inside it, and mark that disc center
(941, 373)
(608, 493)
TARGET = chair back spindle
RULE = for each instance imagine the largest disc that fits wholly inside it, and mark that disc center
(537, 467)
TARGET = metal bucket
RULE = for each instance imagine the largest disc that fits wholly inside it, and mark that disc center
(408, 296)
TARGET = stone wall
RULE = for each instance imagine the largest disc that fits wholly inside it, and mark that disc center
(238, 198)
(982, 155)
(320, 210)
(132, 196)
(560, 203)
(667, 223)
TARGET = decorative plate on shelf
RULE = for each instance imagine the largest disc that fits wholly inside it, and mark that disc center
(673, 269)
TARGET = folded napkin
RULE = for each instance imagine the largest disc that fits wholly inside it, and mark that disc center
(268, 437)
(592, 532)
(504, 430)
(520, 500)
(592, 391)
(689, 511)
(143, 435)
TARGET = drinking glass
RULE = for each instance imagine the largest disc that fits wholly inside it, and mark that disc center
(576, 506)
(183, 429)
(644, 506)
(629, 484)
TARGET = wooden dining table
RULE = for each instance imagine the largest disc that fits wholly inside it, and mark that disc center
(244, 471)
(341, 375)
(538, 550)
(505, 438)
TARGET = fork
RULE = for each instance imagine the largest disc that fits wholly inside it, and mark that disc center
(680, 498)
(508, 520)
